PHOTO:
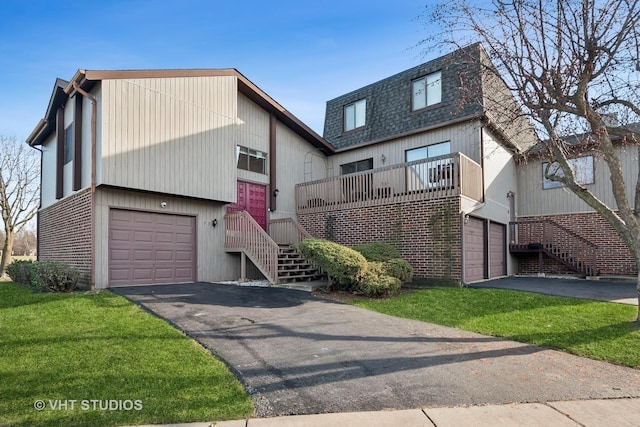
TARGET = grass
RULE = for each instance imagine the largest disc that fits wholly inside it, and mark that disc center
(101, 347)
(598, 330)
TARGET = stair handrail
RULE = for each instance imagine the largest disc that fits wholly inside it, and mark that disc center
(287, 231)
(244, 233)
(559, 236)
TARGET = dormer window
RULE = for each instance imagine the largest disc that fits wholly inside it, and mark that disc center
(427, 91)
(354, 115)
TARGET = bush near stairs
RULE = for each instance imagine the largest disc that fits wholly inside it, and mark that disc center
(349, 270)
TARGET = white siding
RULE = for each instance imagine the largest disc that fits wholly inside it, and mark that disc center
(213, 263)
(534, 200)
(171, 135)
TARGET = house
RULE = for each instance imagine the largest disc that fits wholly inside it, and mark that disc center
(165, 176)
(140, 168)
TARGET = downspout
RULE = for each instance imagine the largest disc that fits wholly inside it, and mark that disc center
(94, 107)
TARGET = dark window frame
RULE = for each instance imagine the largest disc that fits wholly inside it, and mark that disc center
(252, 160)
(68, 144)
(360, 166)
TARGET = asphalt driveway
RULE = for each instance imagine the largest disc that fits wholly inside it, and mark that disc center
(299, 354)
(623, 292)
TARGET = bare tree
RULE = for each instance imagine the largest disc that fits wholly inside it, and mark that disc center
(570, 64)
(25, 243)
(19, 191)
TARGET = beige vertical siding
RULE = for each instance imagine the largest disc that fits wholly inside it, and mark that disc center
(214, 263)
(171, 135)
(464, 138)
(534, 200)
(297, 161)
(253, 132)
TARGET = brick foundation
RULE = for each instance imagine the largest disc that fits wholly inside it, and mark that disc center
(427, 233)
(613, 255)
(65, 233)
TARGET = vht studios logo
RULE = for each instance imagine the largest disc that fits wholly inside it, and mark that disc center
(88, 405)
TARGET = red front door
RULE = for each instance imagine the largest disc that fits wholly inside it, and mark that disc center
(253, 199)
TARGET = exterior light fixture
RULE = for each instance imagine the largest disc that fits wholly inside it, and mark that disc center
(275, 192)
(214, 222)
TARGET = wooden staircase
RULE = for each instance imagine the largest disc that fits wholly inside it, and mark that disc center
(293, 267)
(546, 237)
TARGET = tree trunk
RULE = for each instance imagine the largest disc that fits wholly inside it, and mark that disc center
(6, 253)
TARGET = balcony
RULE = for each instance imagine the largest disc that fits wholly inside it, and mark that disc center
(436, 177)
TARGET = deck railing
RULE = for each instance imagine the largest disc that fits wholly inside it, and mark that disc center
(287, 231)
(244, 234)
(450, 175)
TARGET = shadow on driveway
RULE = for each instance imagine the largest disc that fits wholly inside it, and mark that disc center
(300, 354)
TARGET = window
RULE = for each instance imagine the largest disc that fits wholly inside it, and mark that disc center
(429, 174)
(359, 166)
(582, 168)
(68, 144)
(355, 114)
(440, 149)
(427, 91)
(251, 160)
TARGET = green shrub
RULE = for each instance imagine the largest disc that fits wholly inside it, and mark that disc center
(343, 265)
(398, 268)
(375, 282)
(378, 251)
(21, 272)
(55, 277)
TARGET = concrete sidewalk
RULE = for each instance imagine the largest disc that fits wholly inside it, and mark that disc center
(584, 413)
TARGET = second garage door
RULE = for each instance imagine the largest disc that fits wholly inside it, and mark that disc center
(474, 250)
(497, 249)
(148, 248)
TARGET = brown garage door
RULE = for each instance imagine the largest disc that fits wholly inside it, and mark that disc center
(474, 250)
(147, 248)
(497, 250)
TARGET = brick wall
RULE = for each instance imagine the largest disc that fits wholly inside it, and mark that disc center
(613, 255)
(65, 233)
(427, 233)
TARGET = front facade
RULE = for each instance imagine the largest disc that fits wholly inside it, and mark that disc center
(166, 176)
(140, 168)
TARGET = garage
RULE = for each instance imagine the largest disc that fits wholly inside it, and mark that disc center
(497, 265)
(474, 250)
(150, 248)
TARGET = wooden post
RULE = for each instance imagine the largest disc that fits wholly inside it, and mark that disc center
(243, 267)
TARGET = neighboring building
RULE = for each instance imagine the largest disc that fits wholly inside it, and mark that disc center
(164, 176)
(558, 232)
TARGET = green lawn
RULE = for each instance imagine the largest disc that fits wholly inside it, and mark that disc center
(63, 347)
(599, 330)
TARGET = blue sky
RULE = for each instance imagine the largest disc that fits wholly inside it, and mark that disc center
(300, 53)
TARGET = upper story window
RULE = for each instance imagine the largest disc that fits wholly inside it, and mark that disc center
(68, 144)
(427, 91)
(251, 160)
(355, 114)
(359, 166)
(582, 168)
